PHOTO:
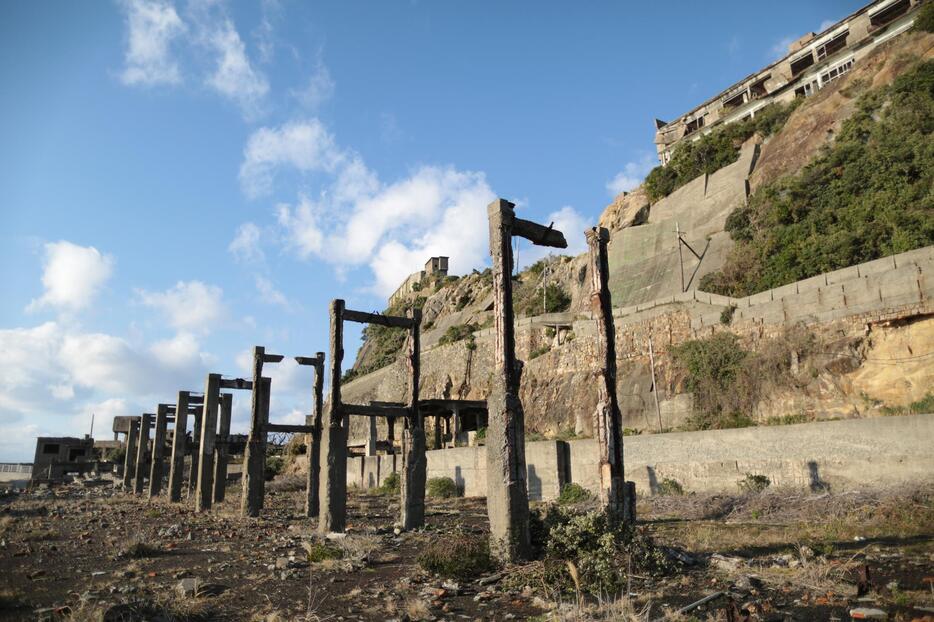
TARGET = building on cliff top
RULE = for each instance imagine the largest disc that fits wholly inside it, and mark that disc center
(812, 61)
(435, 266)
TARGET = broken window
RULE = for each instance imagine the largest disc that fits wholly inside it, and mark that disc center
(834, 45)
(836, 72)
(75, 453)
(50, 449)
(889, 13)
(736, 101)
(806, 90)
(800, 64)
(757, 89)
(693, 125)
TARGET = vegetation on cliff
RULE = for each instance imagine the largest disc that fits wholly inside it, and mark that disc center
(869, 195)
(714, 150)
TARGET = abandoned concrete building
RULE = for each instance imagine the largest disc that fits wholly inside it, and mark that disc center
(59, 456)
(435, 266)
(812, 61)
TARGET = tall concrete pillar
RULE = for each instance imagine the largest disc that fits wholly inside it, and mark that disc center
(158, 451)
(371, 438)
(391, 433)
(607, 423)
(254, 455)
(129, 460)
(142, 454)
(221, 448)
(312, 487)
(204, 493)
(507, 494)
(437, 433)
(177, 465)
(456, 425)
(414, 461)
(333, 497)
(195, 453)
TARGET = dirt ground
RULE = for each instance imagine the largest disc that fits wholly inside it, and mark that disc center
(78, 551)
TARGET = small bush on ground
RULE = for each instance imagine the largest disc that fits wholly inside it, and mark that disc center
(754, 483)
(139, 550)
(573, 493)
(458, 332)
(457, 556)
(537, 352)
(924, 20)
(319, 551)
(391, 485)
(441, 488)
(669, 487)
(274, 465)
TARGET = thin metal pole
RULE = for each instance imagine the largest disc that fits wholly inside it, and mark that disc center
(680, 255)
(658, 410)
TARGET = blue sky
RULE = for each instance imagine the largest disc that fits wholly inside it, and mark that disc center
(182, 180)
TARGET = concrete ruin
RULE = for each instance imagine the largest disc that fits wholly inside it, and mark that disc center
(333, 487)
(812, 61)
(507, 494)
(254, 458)
(57, 457)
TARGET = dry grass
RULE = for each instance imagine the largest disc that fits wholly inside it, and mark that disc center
(609, 609)
(417, 609)
(137, 549)
(287, 482)
(168, 608)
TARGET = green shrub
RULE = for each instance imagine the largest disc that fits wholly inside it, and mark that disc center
(462, 302)
(537, 352)
(573, 493)
(117, 455)
(391, 485)
(556, 299)
(481, 434)
(457, 333)
(754, 483)
(868, 195)
(441, 488)
(726, 316)
(459, 556)
(274, 465)
(320, 551)
(669, 487)
(924, 19)
(923, 406)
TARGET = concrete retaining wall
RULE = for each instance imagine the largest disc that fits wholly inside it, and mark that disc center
(844, 455)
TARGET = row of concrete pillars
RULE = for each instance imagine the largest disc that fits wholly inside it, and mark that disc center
(507, 495)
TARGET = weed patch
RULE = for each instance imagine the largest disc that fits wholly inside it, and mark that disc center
(458, 556)
(572, 494)
(441, 488)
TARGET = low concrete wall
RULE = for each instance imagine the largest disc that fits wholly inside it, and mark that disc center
(843, 455)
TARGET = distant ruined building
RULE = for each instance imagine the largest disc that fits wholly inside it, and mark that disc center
(812, 61)
(435, 266)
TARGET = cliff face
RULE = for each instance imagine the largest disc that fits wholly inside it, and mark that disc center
(869, 326)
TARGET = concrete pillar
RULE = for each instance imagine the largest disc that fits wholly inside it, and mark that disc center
(129, 460)
(507, 494)
(436, 444)
(607, 424)
(254, 455)
(177, 464)
(414, 461)
(371, 438)
(333, 497)
(195, 454)
(221, 447)
(312, 488)
(391, 433)
(456, 439)
(204, 493)
(142, 454)
(158, 451)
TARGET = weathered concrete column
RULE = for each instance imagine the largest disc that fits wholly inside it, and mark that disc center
(437, 433)
(254, 456)
(456, 425)
(129, 460)
(177, 464)
(158, 451)
(607, 424)
(195, 453)
(142, 454)
(333, 497)
(391, 433)
(371, 437)
(414, 461)
(312, 488)
(204, 493)
(221, 445)
(507, 494)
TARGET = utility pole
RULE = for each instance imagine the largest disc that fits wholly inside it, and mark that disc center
(658, 411)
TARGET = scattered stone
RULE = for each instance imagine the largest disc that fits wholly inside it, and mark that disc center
(867, 613)
(211, 589)
(727, 564)
(187, 587)
(489, 580)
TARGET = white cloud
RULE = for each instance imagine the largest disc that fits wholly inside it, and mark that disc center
(246, 244)
(189, 306)
(72, 276)
(269, 294)
(780, 48)
(319, 88)
(568, 221)
(306, 146)
(631, 176)
(234, 75)
(824, 25)
(152, 26)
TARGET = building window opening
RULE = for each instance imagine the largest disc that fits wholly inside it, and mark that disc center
(50, 449)
(800, 64)
(806, 90)
(736, 101)
(693, 126)
(833, 46)
(757, 89)
(73, 454)
(836, 72)
(889, 13)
